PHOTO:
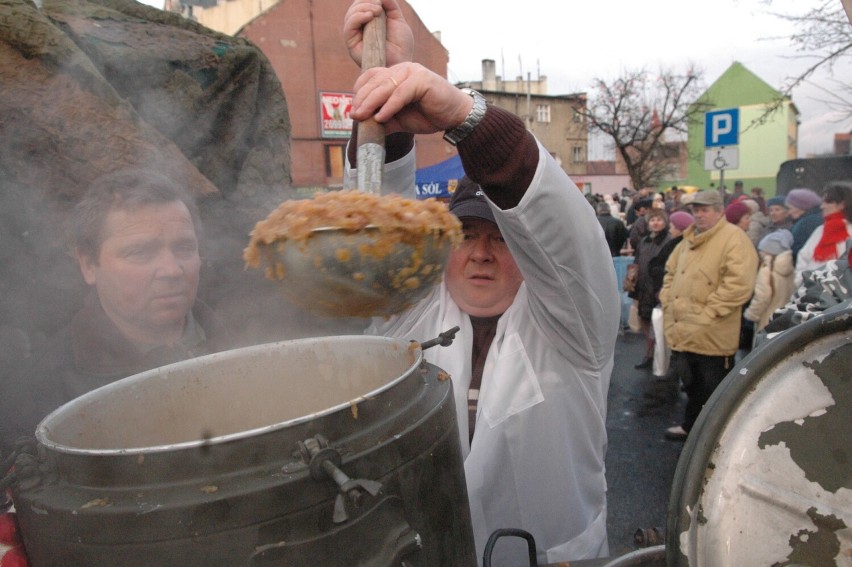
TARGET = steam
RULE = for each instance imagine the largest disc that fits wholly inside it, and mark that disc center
(78, 100)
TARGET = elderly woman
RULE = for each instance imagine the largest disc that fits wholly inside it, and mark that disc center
(646, 292)
(828, 241)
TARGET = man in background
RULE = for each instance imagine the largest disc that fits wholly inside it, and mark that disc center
(710, 275)
(614, 229)
(134, 235)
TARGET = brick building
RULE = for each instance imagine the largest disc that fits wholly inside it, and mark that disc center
(302, 40)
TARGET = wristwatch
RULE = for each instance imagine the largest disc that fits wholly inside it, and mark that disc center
(474, 117)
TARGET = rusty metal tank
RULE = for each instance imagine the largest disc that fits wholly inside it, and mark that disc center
(331, 451)
(765, 477)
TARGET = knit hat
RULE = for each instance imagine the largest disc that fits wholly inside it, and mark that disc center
(803, 199)
(779, 201)
(776, 242)
(752, 205)
(736, 211)
(681, 220)
(469, 201)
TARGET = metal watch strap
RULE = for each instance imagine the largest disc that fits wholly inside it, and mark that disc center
(474, 117)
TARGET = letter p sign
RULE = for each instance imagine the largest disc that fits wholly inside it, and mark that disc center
(721, 128)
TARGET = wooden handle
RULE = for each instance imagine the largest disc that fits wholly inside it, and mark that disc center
(371, 134)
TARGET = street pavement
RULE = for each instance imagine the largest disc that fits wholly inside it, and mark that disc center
(640, 462)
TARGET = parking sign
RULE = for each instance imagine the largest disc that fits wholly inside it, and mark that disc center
(722, 128)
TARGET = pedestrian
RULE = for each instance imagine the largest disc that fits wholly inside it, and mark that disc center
(645, 294)
(758, 222)
(639, 227)
(823, 290)
(738, 193)
(757, 195)
(774, 285)
(614, 230)
(804, 208)
(538, 309)
(738, 214)
(828, 241)
(678, 222)
(779, 215)
(134, 235)
(709, 276)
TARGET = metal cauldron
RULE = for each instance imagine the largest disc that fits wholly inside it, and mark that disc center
(765, 477)
(332, 451)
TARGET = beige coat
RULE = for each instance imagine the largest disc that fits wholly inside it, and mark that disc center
(709, 277)
(773, 288)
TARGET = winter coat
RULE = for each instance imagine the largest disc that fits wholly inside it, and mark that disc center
(803, 227)
(757, 227)
(536, 461)
(709, 277)
(805, 260)
(615, 232)
(645, 293)
(773, 288)
(89, 353)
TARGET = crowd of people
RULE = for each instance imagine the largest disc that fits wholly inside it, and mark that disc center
(531, 287)
(751, 257)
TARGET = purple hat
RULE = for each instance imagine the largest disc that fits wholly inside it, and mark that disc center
(803, 199)
(736, 211)
(469, 201)
(681, 220)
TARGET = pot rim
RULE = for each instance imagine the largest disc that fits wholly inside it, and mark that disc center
(43, 430)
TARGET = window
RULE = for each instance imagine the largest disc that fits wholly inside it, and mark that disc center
(577, 116)
(542, 113)
(334, 161)
(577, 154)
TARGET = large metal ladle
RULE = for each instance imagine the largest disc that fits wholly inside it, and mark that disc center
(352, 273)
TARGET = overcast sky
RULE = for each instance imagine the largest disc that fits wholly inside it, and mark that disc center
(575, 41)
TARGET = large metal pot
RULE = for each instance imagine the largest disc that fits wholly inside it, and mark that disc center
(765, 477)
(331, 451)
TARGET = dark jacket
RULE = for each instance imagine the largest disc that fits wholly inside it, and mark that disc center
(89, 353)
(657, 265)
(645, 293)
(615, 232)
(804, 226)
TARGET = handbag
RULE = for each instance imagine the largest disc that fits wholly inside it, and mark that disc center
(629, 284)
(662, 352)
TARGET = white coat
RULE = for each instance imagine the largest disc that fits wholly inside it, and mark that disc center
(805, 259)
(537, 459)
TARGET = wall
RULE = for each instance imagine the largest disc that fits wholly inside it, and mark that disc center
(764, 141)
(303, 41)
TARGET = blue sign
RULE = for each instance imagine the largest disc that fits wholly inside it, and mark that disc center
(722, 128)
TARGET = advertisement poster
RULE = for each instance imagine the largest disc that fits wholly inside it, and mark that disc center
(335, 120)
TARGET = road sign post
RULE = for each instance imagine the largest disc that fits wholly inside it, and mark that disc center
(721, 130)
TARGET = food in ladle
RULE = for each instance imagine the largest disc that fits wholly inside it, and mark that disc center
(392, 256)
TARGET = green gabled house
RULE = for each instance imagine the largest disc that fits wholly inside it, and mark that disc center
(765, 140)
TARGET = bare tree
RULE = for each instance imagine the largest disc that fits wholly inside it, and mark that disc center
(639, 112)
(823, 36)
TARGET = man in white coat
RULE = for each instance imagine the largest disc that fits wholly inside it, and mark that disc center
(533, 289)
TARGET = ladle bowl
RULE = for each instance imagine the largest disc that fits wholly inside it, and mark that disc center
(357, 273)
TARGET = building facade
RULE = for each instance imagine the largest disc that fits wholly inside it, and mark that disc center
(556, 120)
(765, 139)
(303, 42)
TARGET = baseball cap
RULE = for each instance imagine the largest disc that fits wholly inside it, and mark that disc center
(469, 201)
(706, 197)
